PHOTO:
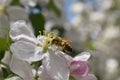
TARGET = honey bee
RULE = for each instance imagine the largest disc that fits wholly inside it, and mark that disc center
(62, 43)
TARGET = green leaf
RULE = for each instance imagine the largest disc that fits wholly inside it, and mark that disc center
(4, 29)
(3, 44)
(37, 22)
(60, 29)
(6, 72)
(52, 6)
(36, 65)
(90, 45)
(15, 2)
(1, 55)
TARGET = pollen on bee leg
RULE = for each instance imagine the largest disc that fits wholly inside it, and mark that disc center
(47, 41)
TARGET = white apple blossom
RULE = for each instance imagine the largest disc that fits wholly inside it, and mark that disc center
(29, 48)
(56, 66)
(8, 14)
(25, 46)
(77, 7)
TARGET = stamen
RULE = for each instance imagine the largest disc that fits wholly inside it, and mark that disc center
(44, 33)
(47, 40)
(40, 32)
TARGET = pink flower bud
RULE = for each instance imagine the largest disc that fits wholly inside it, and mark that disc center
(80, 68)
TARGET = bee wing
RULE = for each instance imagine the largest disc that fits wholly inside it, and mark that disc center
(67, 40)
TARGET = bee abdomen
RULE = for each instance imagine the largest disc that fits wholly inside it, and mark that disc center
(67, 49)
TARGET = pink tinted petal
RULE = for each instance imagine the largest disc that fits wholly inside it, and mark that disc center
(80, 68)
(56, 66)
(89, 77)
(84, 56)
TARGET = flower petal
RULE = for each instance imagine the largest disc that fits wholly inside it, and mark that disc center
(14, 78)
(26, 51)
(68, 58)
(21, 31)
(7, 58)
(17, 13)
(21, 68)
(43, 74)
(89, 77)
(56, 66)
(84, 56)
(80, 68)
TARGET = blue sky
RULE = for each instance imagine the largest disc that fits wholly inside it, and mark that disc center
(68, 3)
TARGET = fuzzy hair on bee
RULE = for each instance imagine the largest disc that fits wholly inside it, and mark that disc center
(62, 44)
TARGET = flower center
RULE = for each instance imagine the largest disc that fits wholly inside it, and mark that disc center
(47, 41)
(50, 41)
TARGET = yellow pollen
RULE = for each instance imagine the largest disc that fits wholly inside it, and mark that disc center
(47, 40)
